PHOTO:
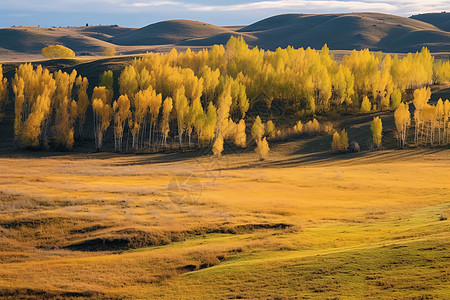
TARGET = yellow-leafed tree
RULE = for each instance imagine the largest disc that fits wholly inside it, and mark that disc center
(376, 127)
(340, 141)
(240, 137)
(34, 90)
(65, 110)
(83, 102)
(402, 122)
(167, 108)
(181, 109)
(270, 129)
(121, 109)
(102, 120)
(107, 80)
(257, 129)
(3, 92)
(421, 97)
(208, 131)
(218, 146)
(366, 105)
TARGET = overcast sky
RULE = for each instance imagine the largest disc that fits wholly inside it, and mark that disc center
(138, 13)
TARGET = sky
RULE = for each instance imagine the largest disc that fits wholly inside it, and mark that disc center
(138, 13)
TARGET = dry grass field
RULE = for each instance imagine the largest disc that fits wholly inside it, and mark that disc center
(372, 225)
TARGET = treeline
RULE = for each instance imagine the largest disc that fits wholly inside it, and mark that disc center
(201, 99)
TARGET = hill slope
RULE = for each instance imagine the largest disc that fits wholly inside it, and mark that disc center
(169, 32)
(348, 31)
(440, 20)
(33, 39)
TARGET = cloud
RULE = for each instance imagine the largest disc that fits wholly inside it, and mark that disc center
(402, 7)
(153, 4)
(294, 5)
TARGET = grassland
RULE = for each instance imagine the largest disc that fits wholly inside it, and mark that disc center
(371, 225)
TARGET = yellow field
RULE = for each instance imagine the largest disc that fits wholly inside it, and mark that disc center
(370, 225)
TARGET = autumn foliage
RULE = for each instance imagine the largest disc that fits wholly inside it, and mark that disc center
(3, 92)
(58, 51)
(45, 108)
(340, 141)
(206, 98)
(376, 127)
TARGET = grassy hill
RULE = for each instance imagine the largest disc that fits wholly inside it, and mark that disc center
(169, 32)
(349, 31)
(31, 40)
(440, 20)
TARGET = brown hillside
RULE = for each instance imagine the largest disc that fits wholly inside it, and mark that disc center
(33, 39)
(348, 31)
(169, 32)
(440, 20)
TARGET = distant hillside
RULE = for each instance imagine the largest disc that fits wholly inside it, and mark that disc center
(349, 31)
(169, 32)
(440, 20)
(31, 40)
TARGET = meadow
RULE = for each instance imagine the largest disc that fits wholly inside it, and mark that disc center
(370, 225)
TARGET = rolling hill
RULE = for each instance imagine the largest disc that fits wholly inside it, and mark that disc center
(375, 31)
(440, 20)
(28, 41)
(169, 32)
(348, 31)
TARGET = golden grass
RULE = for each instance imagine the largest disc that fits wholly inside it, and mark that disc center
(367, 226)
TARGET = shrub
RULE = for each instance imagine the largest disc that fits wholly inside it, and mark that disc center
(298, 127)
(262, 149)
(110, 51)
(58, 51)
(311, 127)
(354, 147)
(340, 141)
